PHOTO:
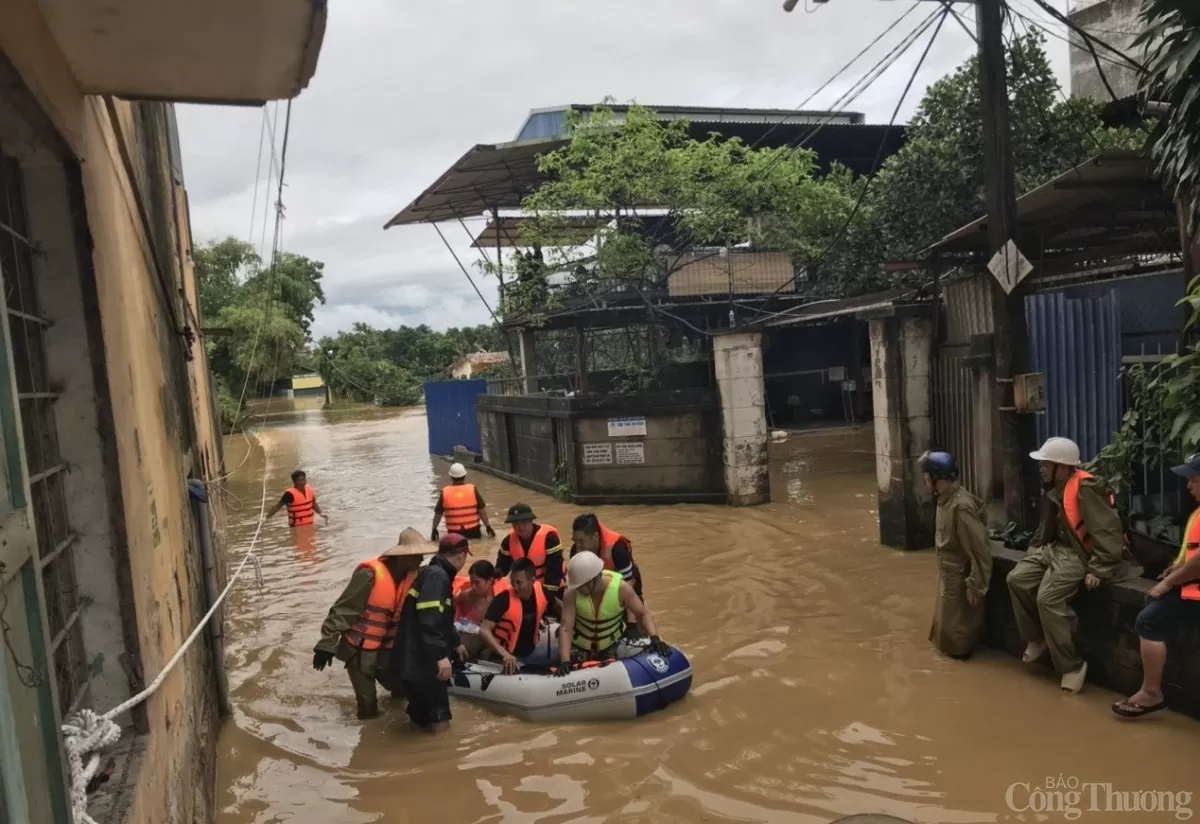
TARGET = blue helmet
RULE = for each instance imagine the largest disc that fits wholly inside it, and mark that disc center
(940, 466)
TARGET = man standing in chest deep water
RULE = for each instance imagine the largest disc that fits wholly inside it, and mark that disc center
(301, 502)
(539, 543)
(964, 558)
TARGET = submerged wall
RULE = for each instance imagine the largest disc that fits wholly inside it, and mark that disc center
(1104, 635)
(652, 447)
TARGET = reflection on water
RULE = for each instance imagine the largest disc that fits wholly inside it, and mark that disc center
(816, 693)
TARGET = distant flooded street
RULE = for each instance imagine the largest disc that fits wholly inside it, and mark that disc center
(816, 693)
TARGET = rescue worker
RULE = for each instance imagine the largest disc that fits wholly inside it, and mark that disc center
(463, 507)
(472, 594)
(513, 628)
(614, 549)
(594, 607)
(539, 543)
(1079, 541)
(964, 558)
(361, 627)
(301, 502)
(1173, 600)
(427, 642)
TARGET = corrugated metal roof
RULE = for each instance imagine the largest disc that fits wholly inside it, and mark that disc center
(1112, 201)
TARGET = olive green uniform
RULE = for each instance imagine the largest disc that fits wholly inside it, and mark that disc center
(964, 559)
(1043, 583)
(363, 666)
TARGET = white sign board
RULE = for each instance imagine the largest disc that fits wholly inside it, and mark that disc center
(1009, 267)
(595, 454)
(631, 452)
(626, 427)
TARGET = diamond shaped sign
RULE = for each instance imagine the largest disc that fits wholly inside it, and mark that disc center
(1009, 267)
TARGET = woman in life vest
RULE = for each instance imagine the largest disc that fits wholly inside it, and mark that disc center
(1174, 600)
(964, 558)
(301, 502)
(513, 628)
(472, 595)
(361, 627)
(593, 615)
(462, 506)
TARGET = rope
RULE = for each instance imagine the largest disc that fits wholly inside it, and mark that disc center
(87, 733)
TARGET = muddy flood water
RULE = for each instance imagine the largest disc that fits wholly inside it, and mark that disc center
(816, 694)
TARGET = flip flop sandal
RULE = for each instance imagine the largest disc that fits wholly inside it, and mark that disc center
(1136, 710)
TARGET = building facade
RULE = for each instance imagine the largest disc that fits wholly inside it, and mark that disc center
(1115, 23)
(106, 403)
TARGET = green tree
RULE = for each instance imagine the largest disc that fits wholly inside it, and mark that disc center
(1171, 38)
(935, 183)
(221, 268)
(713, 193)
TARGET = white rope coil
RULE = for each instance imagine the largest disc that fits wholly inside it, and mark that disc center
(87, 733)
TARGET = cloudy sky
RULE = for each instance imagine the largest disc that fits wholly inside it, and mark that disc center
(402, 89)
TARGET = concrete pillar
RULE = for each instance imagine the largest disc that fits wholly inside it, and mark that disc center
(901, 348)
(738, 360)
(529, 367)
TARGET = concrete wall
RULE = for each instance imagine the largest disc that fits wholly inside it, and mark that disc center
(1105, 636)
(901, 349)
(1114, 22)
(738, 363)
(155, 420)
(564, 446)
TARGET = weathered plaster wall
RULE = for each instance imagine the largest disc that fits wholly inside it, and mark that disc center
(176, 780)
(900, 378)
(1116, 23)
(738, 362)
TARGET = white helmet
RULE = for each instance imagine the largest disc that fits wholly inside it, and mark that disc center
(457, 471)
(1058, 450)
(582, 568)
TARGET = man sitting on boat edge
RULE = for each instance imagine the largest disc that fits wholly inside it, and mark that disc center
(594, 611)
(512, 628)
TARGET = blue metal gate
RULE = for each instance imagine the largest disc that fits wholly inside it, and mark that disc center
(450, 415)
(1076, 342)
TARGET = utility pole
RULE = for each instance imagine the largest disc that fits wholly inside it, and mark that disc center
(1011, 338)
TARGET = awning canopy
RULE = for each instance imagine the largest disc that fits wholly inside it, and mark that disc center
(1110, 207)
(485, 178)
(505, 231)
(214, 51)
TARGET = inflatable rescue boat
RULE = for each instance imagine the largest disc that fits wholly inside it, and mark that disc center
(614, 690)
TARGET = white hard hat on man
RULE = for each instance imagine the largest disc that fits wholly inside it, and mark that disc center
(1062, 451)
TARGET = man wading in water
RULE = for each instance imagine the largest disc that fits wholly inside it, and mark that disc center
(301, 502)
(964, 558)
(360, 629)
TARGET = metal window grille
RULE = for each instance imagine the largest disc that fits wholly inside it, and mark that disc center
(37, 397)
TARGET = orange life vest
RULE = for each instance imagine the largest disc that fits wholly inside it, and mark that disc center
(1191, 545)
(461, 507)
(300, 510)
(377, 623)
(463, 603)
(508, 628)
(608, 539)
(537, 549)
(1072, 513)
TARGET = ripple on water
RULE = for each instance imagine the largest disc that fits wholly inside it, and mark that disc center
(816, 694)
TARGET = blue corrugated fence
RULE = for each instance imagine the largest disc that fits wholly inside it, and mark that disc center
(1076, 342)
(450, 415)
